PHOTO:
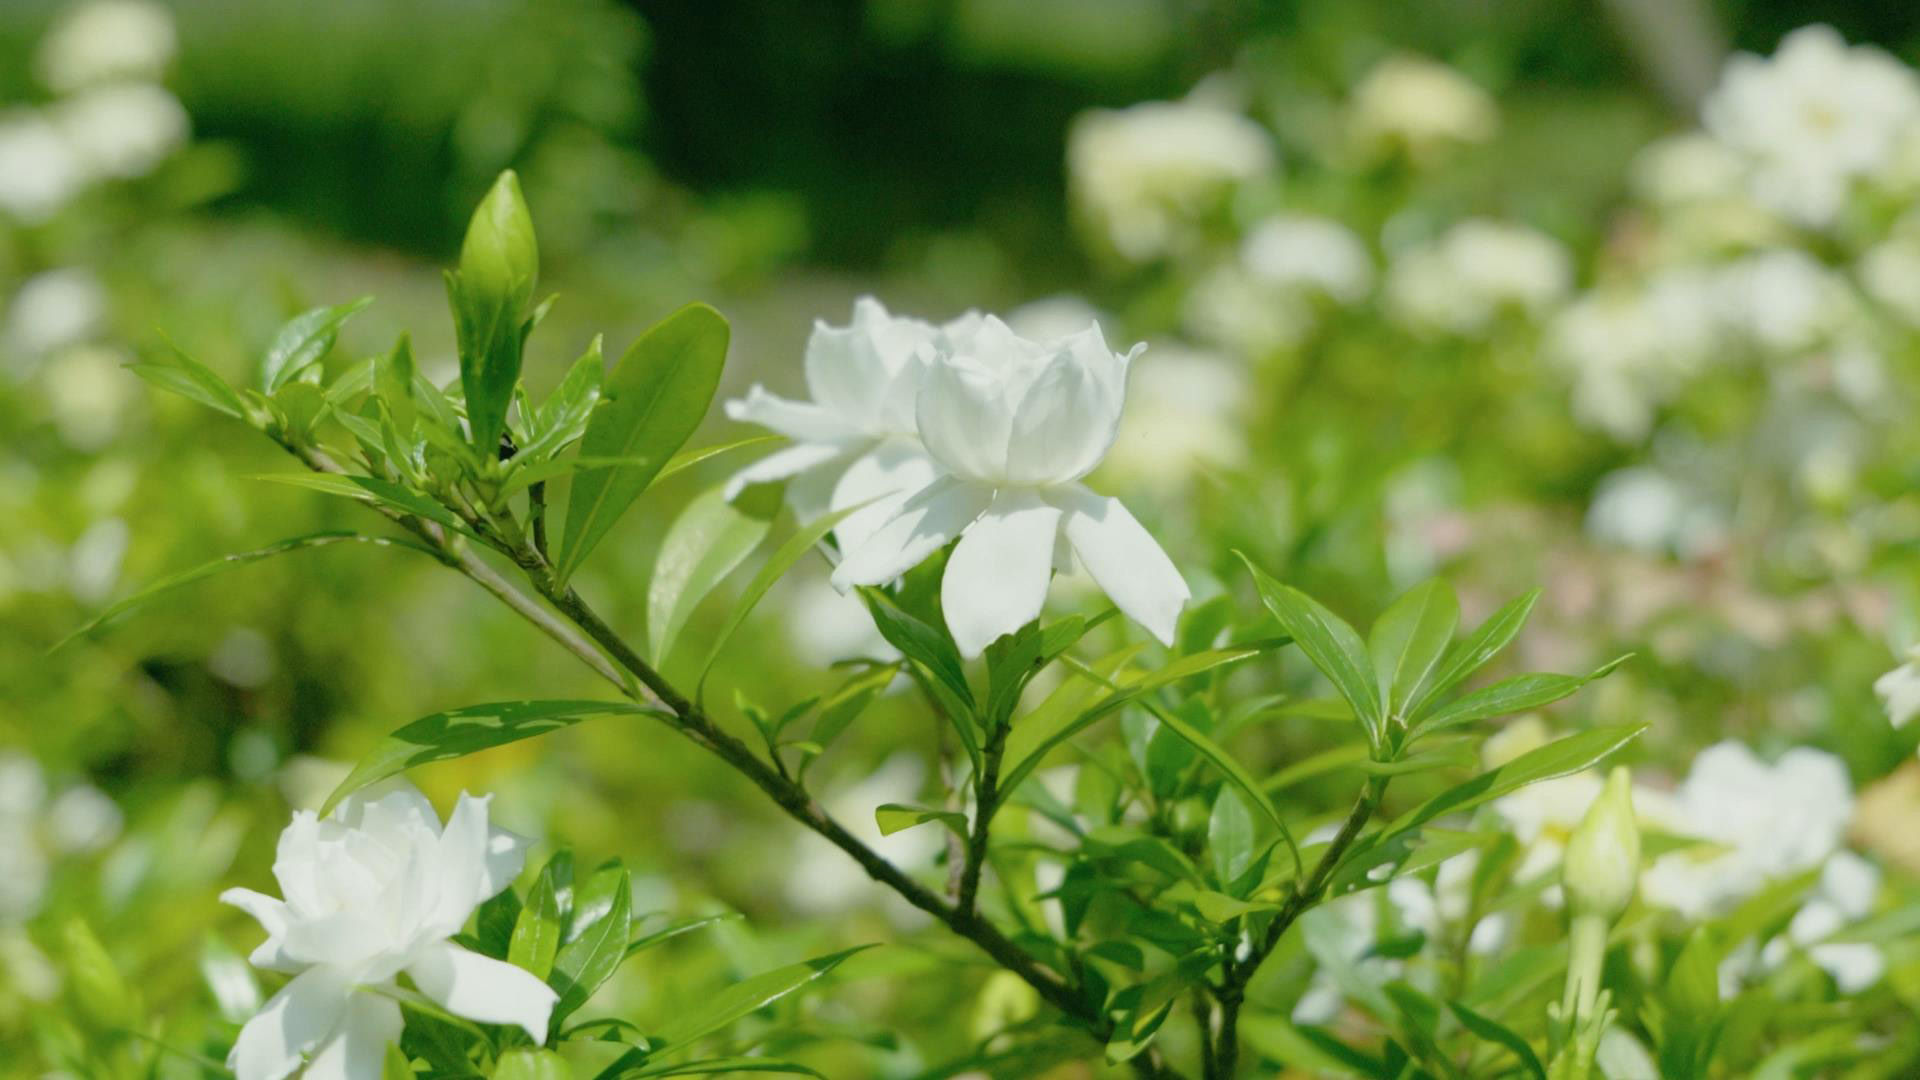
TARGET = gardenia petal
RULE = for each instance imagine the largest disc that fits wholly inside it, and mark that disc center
(965, 419)
(1067, 419)
(460, 867)
(1124, 560)
(783, 463)
(357, 1049)
(291, 1023)
(273, 916)
(926, 523)
(801, 421)
(484, 989)
(996, 580)
(883, 478)
(855, 370)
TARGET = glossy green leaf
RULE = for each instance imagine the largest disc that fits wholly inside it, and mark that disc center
(1495, 1032)
(893, 817)
(1556, 759)
(230, 562)
(924, 644)
(1306, 1047)
(542, 921)
(303, 342)
(784, 558)
(668, 933)
(1229, 835)
(1518, 694)
(456, 733)
(708, 541)
(1409, 639)
(650, 405)
(745, 997)
(1235, 773)
(525, 1064)
(182, 374)
(1330, 643)
(596, 939)
(372, 489)
(1472, 654)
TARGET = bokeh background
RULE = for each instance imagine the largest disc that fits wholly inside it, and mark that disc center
(1684, 412)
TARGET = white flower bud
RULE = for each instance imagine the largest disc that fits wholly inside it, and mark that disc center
(1603, 856)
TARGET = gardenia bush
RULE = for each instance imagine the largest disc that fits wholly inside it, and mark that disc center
(1126, 883)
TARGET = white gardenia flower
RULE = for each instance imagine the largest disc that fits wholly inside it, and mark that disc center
(122, 131)
(1014, 425)
(1765, 822)
(1686, 168)
(39, 170)
(1310, 253)
(1814, 118)
(55, 309)
(1140, 174)
(1421, 105)
(106, 41)
(1474, 271)
(373, 891)
(1899, 690)
(856, 440)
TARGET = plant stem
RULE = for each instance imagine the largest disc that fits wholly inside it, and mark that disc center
(1232, 991)
(986, 800)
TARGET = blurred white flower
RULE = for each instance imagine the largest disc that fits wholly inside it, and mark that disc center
(1644, 510)
(1421, 106)
(1184, 415)
(1229, 307)
(122, 131)
(93, 566)
(107, 41)
(856, 440)
(1685, 168)
(1014, 425)
(1848, 887)
(1782, 299)
(1142, 174)
(1899, 690)
(55, 309)
(39, 170)
(373, 890)
(825, 625)
(1436, 908)
(1055, 317)
(1814, 118)
(1890, 273)
(1765, 821)
(82, 819)
(88, 394)
(1474, 271)
(1309, 253)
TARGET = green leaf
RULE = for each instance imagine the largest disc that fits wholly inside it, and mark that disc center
(726, 1065)
(1184, 668)
(493, 924)
(922, 643)
(1556, 759)
(666, 934)
(708, 541)
(687, 459)
(394, 378)
(182, 374)
(394, 1064)
(784, 558)
(745, 997)
(848, 702)
(230, 562)
(893, 817)
(651, 404)
(597, 939)
(1409, 638)
(536, 933)
(1518, 694)
(1496, 1032)
(1472, 654)
(562, 418)
(1330, 643)
(456, 733)
(372, 489)
(1234, 772)
(1218, 907)
(524, 1064)
(303, 341)
(1229, 836)
(1306, 1047)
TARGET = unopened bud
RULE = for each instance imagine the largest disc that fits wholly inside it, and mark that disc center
(500, 260)
(1603, 856)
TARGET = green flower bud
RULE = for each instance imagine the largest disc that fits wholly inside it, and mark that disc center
(500, 262)
(1603, 856)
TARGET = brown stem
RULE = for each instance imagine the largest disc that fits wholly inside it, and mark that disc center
(1232, 991)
